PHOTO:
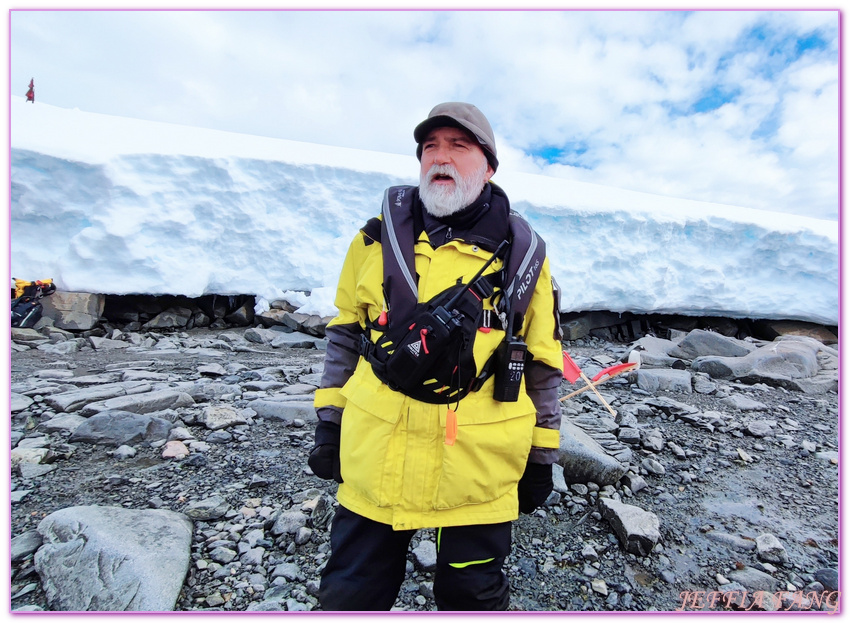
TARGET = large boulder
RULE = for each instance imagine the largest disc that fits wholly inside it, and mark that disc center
(700, 343)
(584, 460)
(119, 428)
(76, 311)
(778, 361)
(97, 558)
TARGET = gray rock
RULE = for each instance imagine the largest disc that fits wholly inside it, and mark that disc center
(147, 402)
(655, 380)
(703, 384)
(118, 428)
(425, 555)
(212, 369)
(761, 428)
(27, 455)
(100, 343)
(63, 348)
(113, 559)
(754, 580)
(322, 513)
(303, 535)
(732, 541)
(299, 389)
(20, 402)
(172, 318)
(637, 529)
(30, 471)
(737, 402)
(629, 435)
(67, 422)
(124, 452)
(584, 460)
(222, 555)
(770, 549)
(634, 482)
(221, 416)
(288, 570)
(19, 494)
(25, 545)
(827, 577)
(652, 440)
(207, 509)
(143, 375)
(653, 467)
(295, 340)
(74, 400)
(28, 336)
(75, 311)
(259, 335)
(701, 343)
(289, 522)
(285, 411)
(775, 363)
(670, 406)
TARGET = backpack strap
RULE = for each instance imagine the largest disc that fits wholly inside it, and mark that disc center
(522, 269)
(397, 239)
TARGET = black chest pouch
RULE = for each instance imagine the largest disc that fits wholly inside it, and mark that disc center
(429, 356)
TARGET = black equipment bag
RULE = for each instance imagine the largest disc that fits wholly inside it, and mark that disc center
(26, 311)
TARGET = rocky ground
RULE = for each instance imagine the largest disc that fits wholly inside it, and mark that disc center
(715, 483)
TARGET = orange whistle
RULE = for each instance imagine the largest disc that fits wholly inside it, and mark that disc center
(451, 427)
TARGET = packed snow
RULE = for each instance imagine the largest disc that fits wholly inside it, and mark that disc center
(118, 206)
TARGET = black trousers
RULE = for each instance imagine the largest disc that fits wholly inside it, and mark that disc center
(367, 565)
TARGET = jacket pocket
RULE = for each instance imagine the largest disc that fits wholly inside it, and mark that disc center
(488, 456)
(369, 452)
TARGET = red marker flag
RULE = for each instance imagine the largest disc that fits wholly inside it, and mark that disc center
(31, 92)
(571, 371)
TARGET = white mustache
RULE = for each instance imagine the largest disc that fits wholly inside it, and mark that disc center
(443, 169)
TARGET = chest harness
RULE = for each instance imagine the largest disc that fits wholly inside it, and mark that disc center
(425, 350)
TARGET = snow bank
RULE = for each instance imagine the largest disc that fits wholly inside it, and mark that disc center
(113, 205)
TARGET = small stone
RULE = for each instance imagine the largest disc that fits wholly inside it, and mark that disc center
(175, 450)
(599, 586)
(770, 549)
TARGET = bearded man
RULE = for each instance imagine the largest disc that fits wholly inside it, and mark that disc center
(462, 453)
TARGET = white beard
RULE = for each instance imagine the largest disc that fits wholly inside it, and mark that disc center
(441, 201)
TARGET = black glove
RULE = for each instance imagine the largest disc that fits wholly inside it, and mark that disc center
(534, 486)
(324, 458)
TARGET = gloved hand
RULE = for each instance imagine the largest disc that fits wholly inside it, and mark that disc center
(534, 486)
(324, 457)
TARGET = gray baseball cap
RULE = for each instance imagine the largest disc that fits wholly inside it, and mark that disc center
(460, 115)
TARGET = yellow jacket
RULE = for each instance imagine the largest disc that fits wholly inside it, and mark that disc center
(395, 463)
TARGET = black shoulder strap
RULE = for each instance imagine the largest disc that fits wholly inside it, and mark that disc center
(397, 240)
(522, 269)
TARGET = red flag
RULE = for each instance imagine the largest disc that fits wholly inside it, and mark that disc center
(31, 92)
(571, 371)
(615, 370)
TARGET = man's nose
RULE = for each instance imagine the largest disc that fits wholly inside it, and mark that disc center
(441, 155)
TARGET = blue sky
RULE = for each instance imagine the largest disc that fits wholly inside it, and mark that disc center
(733, 107)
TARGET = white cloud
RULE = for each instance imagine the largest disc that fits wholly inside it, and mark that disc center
(617, 83)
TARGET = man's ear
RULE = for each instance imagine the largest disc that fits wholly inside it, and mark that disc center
(490, 172)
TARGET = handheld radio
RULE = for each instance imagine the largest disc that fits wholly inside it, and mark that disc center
(510, 365)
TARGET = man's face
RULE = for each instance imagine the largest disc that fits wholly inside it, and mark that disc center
(452, 172)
